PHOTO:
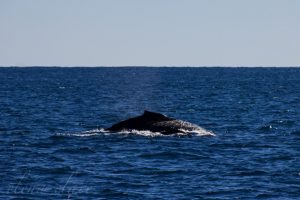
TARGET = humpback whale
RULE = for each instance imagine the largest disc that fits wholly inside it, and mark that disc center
(156, 122)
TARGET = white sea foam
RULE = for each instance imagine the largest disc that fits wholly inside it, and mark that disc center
(102, 131)
(200, 132)
(88, 133)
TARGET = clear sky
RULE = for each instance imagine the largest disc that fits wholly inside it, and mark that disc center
(150, 32)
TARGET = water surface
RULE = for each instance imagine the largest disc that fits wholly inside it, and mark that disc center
(53, 145)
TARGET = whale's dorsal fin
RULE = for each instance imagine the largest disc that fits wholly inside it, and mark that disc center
(154, 115)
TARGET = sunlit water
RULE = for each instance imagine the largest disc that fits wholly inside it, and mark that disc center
(54, 144)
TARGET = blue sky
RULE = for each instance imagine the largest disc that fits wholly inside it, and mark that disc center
(150, 33)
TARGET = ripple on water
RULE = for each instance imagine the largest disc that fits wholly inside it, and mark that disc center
(50, 140)
(76, 150)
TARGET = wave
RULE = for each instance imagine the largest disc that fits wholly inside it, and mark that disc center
(102, 131)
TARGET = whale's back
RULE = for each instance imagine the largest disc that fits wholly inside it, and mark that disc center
(156, 122)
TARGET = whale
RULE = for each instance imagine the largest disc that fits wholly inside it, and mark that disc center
(157, 122)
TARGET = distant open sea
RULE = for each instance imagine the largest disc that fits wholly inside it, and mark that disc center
(53, 144)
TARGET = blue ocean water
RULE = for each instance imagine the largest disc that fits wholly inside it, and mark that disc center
(53, 145)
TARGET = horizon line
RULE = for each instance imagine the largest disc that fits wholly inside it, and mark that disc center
(151, 66)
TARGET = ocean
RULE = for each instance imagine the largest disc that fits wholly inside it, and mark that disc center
(54, 146)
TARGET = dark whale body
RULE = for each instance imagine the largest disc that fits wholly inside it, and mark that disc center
(156, 122)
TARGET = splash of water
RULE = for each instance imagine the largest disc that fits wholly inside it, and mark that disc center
(102, 131)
